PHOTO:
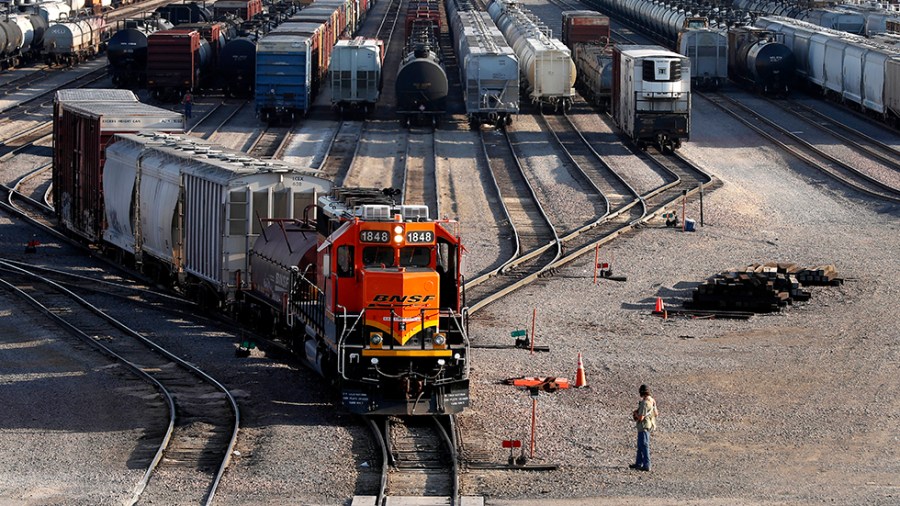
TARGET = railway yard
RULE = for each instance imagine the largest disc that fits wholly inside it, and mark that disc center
(785, 407)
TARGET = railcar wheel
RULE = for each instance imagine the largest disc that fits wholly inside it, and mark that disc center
(509, 120)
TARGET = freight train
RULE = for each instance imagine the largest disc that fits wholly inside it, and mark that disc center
(488, 67)
(368, 292)
(854, 70)
(545, 63)
(652, 95)
(859, 19)
(422, 86)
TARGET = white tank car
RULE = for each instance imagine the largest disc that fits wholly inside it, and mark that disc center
(355, 74)
(73, 41)
(488, 67)
(652, 95)
(545, 62)
(197, 206)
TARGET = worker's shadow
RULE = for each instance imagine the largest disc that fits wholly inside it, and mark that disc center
(672, 296)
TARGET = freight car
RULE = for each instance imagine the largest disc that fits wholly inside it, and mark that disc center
(177, 60)
(421, 87)
(178, 14)
(545, 63)
(861, 72)
(488, 67)
(242, 9)
(85, 120)
(759, 58)
(355, 75)
(652, 95)
(217, 34)
(689, 32)
(126, 50)
(370, 294)
(70, 41)
(236, 66)
(587, 35)
(200, 207)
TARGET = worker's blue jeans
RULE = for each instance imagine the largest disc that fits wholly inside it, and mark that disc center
(643, 449)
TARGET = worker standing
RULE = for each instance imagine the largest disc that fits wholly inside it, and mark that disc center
(645, 419)
(188, 102)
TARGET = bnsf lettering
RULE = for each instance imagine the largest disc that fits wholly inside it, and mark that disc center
(403, 298)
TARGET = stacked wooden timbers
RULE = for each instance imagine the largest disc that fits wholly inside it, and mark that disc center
(761, 288)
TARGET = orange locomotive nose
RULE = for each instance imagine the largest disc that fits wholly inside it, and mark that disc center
(401, 301)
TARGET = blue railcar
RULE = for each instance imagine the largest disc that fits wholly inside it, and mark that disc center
(284, 70)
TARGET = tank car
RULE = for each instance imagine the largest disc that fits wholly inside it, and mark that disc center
(759, 57)
(217, 34)
(126, 50)
(488, 67)
(21, 38)
(177, 61)
(421, 86)
(371, 296)
(71, 41)
(178, 14)
(200, 207)
(236, 66)
(652, 95)
(545, 63)
(355, 74)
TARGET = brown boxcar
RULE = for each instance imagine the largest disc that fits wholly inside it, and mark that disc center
(83, 124)
(176, 62)
(244, 9)
(584, 27)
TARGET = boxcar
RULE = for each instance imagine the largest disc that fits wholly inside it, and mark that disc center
(176, 62)
(286, 60)
(84, 122)
(244, 9)
(200, 206)
(652, 95)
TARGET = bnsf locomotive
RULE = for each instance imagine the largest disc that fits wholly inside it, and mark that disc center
(370, 294)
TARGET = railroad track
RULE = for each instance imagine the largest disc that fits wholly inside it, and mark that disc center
(213, 121)
(342, 149)
(271, 142)
(36, 105)
(420, 461)
(195, 449)
(829, 165)
(419, 176)
(536, 241)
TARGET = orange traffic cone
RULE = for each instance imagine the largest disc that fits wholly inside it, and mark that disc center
(580, 379)
(659, 305)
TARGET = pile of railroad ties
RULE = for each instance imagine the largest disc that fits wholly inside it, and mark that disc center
(761, 288)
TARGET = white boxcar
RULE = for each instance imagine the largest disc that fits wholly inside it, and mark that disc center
(545, 62)
(652, 95)
(355, 74)
(194, 207)
(488, 67)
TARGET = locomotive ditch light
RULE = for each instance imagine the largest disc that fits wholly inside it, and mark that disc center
(374, 361)
(441, 362)
(376, 340)
(440, 341)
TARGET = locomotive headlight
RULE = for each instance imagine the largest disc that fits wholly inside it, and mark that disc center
(398, 230)
(398, 239)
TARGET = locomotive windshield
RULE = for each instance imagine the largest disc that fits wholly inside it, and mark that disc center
(383, 256)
